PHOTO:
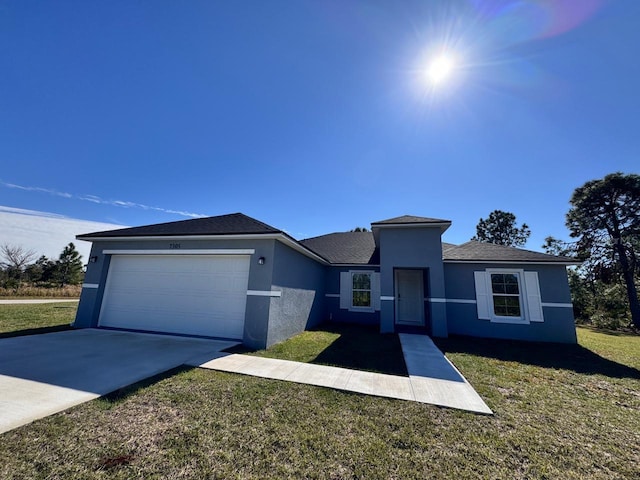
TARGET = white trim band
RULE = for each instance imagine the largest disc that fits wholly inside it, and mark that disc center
(450, 300)
(557, 305)
(264, 293)
(332, 295)
(90, 285)
(461, 300)
(387, 298)
(217, 251)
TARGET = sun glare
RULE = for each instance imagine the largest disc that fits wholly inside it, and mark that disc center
(440, 69)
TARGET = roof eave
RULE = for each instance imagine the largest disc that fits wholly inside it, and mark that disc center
(512, 262)
(442, 225)
(281, 236)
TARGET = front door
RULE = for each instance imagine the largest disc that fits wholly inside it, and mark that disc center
(409, 297)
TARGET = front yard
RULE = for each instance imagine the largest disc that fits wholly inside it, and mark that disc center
(36, 318)
(560, 412)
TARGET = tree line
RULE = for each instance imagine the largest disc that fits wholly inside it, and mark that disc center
(19, 266)
(604, 223)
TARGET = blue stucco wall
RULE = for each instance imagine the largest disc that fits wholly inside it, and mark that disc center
(412, 248)
(333, 311)
(301, 306)
(558, 325)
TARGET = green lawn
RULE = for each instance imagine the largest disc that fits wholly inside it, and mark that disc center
(348, 346)
(39, 318)
(567, 412)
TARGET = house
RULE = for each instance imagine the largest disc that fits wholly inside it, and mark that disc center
(232, 276)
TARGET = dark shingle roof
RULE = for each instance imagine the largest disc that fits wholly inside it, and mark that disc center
(447, 246)
(408, 219)
(232, 224)
(345, 247)
(473, 251)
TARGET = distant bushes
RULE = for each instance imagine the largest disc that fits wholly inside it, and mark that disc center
(68, 291)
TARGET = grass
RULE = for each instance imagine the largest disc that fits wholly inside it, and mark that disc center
(23, 319)
(28, 291)
(567, 412)
(348, 346)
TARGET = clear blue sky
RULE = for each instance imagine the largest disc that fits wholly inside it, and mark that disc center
(315, 116)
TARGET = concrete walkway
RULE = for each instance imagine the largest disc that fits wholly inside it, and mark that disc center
(432, 378)
(34, 301)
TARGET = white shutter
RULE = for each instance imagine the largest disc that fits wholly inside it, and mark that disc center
(375, 290)
(482, 295)
(534, 302)
(345, 289)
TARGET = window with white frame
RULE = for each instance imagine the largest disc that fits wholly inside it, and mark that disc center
(505, 293)
(360, 290)
(508, 296)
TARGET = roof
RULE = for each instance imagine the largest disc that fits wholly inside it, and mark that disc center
(409, 219)
(357, 248)
(231, 224)
(351, 248)
(473, 251)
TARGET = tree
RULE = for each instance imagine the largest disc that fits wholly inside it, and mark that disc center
(500, 228)
(605, 216)
(69, 266)
(14, 256)
(42, 270)
(14, 259)
(359, 229)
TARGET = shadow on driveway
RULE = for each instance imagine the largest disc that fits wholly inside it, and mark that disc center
(45, 374)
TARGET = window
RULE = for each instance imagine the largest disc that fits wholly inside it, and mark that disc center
(361, 290)
(505, 288)
(508, 296)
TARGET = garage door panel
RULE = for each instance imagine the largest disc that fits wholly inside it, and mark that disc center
(190, 294)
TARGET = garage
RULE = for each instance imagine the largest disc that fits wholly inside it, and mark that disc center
(192, 294)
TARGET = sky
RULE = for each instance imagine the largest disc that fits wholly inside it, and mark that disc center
(313, 116)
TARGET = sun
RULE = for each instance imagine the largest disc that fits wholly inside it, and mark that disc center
(441, 69)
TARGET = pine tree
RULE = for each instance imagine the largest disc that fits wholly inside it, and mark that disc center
(69, 266)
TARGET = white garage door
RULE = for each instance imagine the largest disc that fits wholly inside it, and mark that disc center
(188, 294)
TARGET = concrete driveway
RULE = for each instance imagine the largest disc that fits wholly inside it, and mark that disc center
(44, 374)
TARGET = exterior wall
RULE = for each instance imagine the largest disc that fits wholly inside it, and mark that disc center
(412, 247)
(558, 324)
(333, 311)
(301, 304)
(260, 276)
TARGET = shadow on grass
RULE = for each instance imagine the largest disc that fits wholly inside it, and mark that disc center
(356, 346)
(36, 331)
(363, 348)
(627, 332)
(545, 355)
(123, 393)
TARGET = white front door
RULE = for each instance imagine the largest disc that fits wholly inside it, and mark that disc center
(409, 297)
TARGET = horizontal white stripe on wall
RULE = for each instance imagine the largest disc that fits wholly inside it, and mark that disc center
(387, 298)
(558, 305)
(264, 293)
(332, 295)
(450, 300)
(90, 285)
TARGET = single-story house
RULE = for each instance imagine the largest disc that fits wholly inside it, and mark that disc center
(232, 276)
